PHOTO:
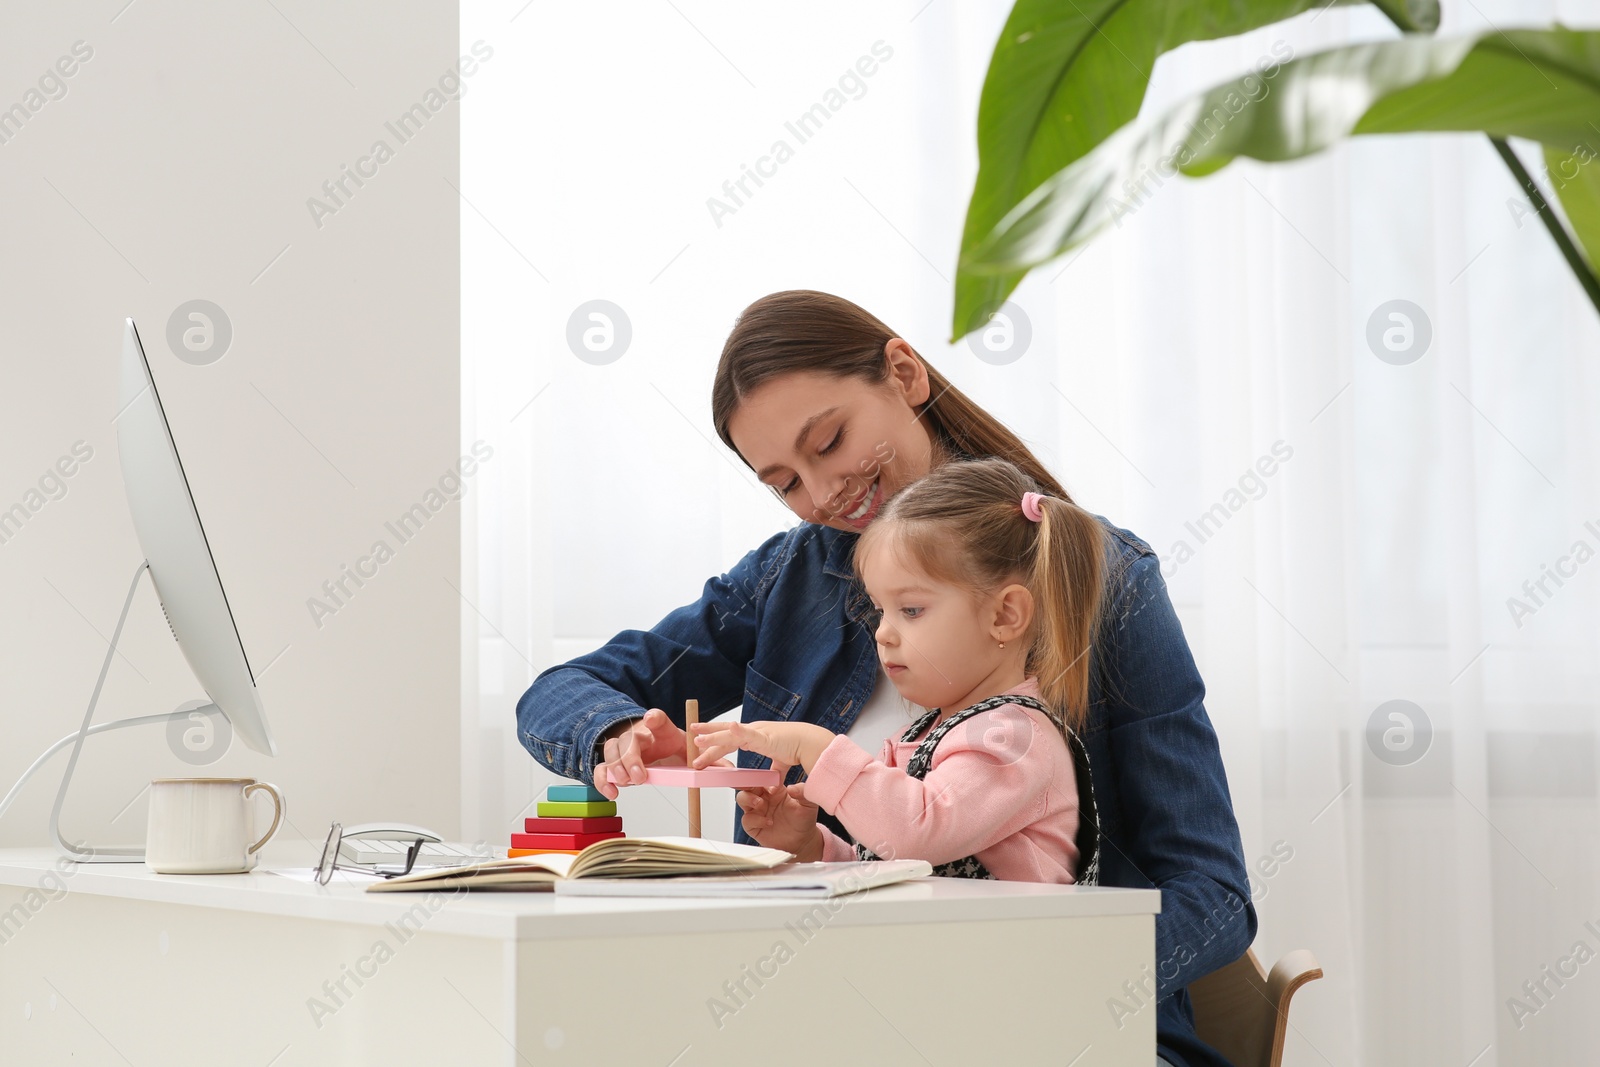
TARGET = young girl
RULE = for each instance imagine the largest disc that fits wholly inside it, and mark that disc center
(987, 609)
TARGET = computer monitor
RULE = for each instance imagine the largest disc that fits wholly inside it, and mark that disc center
(181, 567)
(175, 545)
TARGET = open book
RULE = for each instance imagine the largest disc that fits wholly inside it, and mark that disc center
(620, 857)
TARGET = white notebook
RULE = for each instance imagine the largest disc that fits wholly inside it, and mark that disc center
(799, 880)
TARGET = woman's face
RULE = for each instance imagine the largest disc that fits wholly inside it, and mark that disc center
(835, 449)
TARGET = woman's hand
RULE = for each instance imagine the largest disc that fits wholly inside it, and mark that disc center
(781, 817)
(644, 741)
(788, 743)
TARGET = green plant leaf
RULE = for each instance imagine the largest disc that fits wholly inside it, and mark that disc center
(1412, 16)
(1543, 85)
(1576, 176)
(1066, 74)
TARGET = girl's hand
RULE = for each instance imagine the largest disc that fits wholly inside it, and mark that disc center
(786, 743)
(781, 817)
(648, 740)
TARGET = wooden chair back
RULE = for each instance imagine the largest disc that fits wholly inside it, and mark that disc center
(1243, 1011)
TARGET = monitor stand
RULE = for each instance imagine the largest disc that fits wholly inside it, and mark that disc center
(78, 851)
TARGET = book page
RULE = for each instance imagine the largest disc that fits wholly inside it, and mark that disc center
(617, 857)
(533, 867)
(671, 854)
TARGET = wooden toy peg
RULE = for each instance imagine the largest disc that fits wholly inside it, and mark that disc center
(691, 715)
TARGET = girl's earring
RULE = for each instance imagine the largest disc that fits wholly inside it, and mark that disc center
(1002, 644)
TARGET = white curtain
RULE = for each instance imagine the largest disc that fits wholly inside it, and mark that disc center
(1342, 524)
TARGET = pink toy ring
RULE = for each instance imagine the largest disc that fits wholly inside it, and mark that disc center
(706, 777)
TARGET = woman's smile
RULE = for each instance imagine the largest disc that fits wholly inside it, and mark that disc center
(866, 509)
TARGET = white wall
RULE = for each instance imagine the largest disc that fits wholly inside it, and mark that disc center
(176, 166)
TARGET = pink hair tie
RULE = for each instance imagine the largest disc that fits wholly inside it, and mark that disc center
(1031, 506)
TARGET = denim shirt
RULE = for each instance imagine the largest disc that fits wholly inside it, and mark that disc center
(788, 633)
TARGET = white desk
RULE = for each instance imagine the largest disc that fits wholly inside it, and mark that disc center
(110, 964)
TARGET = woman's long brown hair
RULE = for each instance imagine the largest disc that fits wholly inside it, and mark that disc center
(805, 330)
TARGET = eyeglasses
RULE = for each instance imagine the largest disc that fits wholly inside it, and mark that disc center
(330, 859)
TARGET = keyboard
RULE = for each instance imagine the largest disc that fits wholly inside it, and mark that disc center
(434, 854)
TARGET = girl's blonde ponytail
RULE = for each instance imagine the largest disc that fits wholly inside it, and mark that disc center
(1068, 584)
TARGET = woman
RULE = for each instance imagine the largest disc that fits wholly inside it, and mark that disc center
(836, 413)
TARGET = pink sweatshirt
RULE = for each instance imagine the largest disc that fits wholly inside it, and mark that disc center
(1000, 786)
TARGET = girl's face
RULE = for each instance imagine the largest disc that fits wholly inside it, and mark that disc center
(937, 642)
(835, 449)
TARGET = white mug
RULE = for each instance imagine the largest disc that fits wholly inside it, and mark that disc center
(204, 825)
